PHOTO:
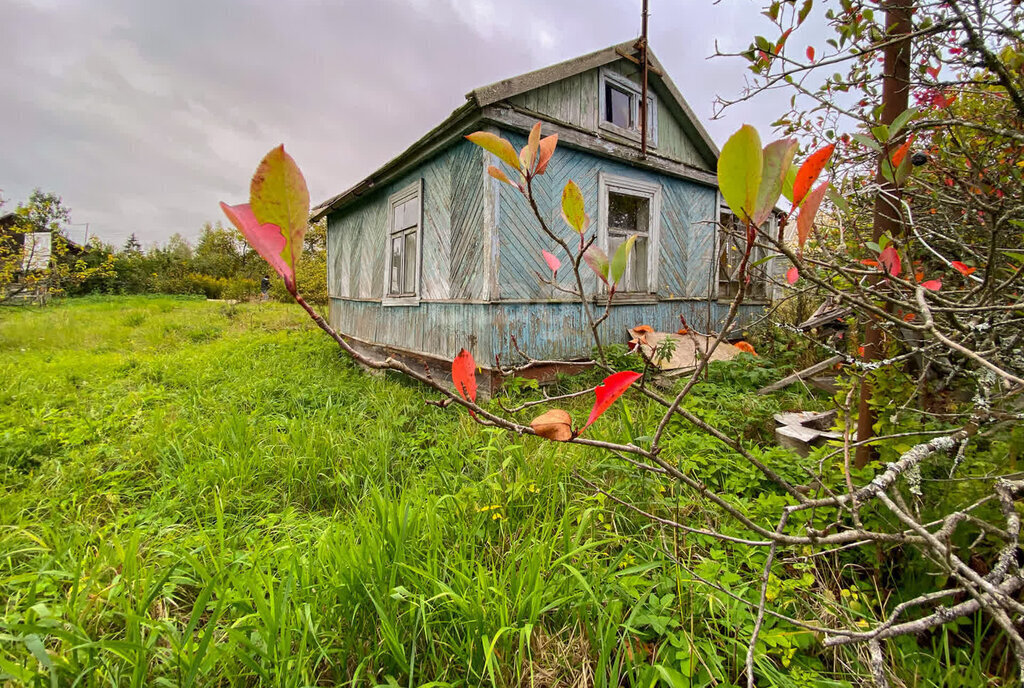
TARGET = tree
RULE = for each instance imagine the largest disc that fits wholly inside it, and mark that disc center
(132, 245)
(43, 213)
(943, 293)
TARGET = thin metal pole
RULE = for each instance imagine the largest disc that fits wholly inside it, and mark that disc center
(643, 82)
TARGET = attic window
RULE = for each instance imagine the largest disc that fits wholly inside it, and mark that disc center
(620, 108)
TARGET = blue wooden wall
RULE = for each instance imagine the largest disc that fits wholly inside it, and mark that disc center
(462, 247)
(687, 244)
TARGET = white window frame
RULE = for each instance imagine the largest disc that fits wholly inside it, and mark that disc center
(628, 186)
(760, 283)
(394, 200)
(633, 133)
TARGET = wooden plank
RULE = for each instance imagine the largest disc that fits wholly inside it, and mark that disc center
(801, 374)
(509, 116)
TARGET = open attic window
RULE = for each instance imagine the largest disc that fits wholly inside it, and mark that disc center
(620, 108)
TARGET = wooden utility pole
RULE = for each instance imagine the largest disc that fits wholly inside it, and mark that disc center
(888, 216)
(642, 47)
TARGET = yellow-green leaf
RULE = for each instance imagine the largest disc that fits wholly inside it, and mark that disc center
(572, 207)
(278, 196)
(492, 143)
(621, 259)
(739, 171)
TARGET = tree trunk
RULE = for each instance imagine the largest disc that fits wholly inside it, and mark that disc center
(887, 214)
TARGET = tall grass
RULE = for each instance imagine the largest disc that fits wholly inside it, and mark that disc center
(197, 494)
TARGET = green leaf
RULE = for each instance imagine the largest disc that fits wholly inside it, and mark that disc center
(621, 259)
(788, 182)
(494, 144)
(278, 196)
(880, 132)
(572, 207)
(901, 121)
(838, 200)
(777, 160)
(739, 171)
(867, 141)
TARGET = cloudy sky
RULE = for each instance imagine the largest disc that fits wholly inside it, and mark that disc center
(143, 115)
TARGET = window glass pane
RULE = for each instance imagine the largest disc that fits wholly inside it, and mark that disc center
(638, 266)
(617, 107)
(624, 211)
(396, 265)
(410, 263)
(410, 213)
(614, 241)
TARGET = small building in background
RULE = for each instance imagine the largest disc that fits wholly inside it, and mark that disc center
(429, 254)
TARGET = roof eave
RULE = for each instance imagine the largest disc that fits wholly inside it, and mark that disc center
(461, 117)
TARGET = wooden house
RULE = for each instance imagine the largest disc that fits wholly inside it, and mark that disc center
(429, 254)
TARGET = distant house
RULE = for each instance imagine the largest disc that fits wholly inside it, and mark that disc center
(429, 254)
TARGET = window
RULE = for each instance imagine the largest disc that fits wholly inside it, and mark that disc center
(404, 219)
(620, 108)
(631, 207)
(732, 242)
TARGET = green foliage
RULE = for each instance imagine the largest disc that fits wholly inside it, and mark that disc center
(204, 494)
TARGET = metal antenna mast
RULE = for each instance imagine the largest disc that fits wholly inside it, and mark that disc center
(642, 47)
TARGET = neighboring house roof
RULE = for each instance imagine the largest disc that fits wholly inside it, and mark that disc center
(485, 103)
(8, 220)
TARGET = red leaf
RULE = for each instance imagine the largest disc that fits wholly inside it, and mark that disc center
(464, 375)
(933, 72)
(870, 263)
(908, 317)
(267, 239)
(932, 285)
(860, 351)
(810, 53)
(551, 260)
(901, 152)
(890, 260)
(962, 268)
(547, 149)
(792, 275)
(809, 171)
(608, 391)
(805, 220)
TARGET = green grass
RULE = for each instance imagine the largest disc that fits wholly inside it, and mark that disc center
(197, 494)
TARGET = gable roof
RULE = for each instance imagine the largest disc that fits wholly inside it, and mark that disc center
(484, 97)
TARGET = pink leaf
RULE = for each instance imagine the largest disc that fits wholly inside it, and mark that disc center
(598, 262)
(890, 260)
(267, 239)
(551, 260)
(932, 285)
(792, 275)
(608, 391)
(464, 375)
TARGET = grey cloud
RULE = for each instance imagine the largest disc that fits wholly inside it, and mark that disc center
(144, 115)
